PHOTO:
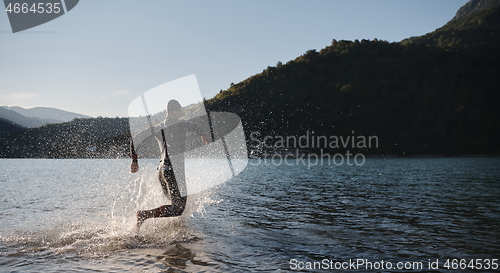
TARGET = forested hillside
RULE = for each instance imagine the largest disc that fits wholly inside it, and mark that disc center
(421, 96)
(8, 128)
(475, 33)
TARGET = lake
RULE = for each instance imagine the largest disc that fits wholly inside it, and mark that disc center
(387, 215)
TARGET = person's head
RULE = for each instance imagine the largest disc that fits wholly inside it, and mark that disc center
(174, 109)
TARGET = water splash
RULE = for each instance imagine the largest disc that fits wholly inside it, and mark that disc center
(112, 229)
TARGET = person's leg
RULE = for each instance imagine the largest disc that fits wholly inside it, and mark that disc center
(178, 202)
(170, 187)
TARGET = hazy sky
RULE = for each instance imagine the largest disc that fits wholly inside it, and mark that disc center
(102, 54)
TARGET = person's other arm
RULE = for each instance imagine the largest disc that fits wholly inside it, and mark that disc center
(195, 129)
(134, 167)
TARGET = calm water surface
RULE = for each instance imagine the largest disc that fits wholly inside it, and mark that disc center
(78, 216)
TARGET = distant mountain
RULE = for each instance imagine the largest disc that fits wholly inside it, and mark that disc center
(52, 115)
(474, 6)
(17, 118)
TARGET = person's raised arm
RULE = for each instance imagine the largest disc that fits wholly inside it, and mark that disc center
(142, 137)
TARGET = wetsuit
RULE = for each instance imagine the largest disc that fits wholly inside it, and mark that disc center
(169, 185)
(172, 142)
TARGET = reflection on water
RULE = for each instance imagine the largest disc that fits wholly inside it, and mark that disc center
(78, 215)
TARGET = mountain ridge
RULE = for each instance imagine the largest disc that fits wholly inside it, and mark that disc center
(21, 120)
(49, 114)
(474, 6)
(475, 33)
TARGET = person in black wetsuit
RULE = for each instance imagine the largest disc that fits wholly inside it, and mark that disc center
(171, 138)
